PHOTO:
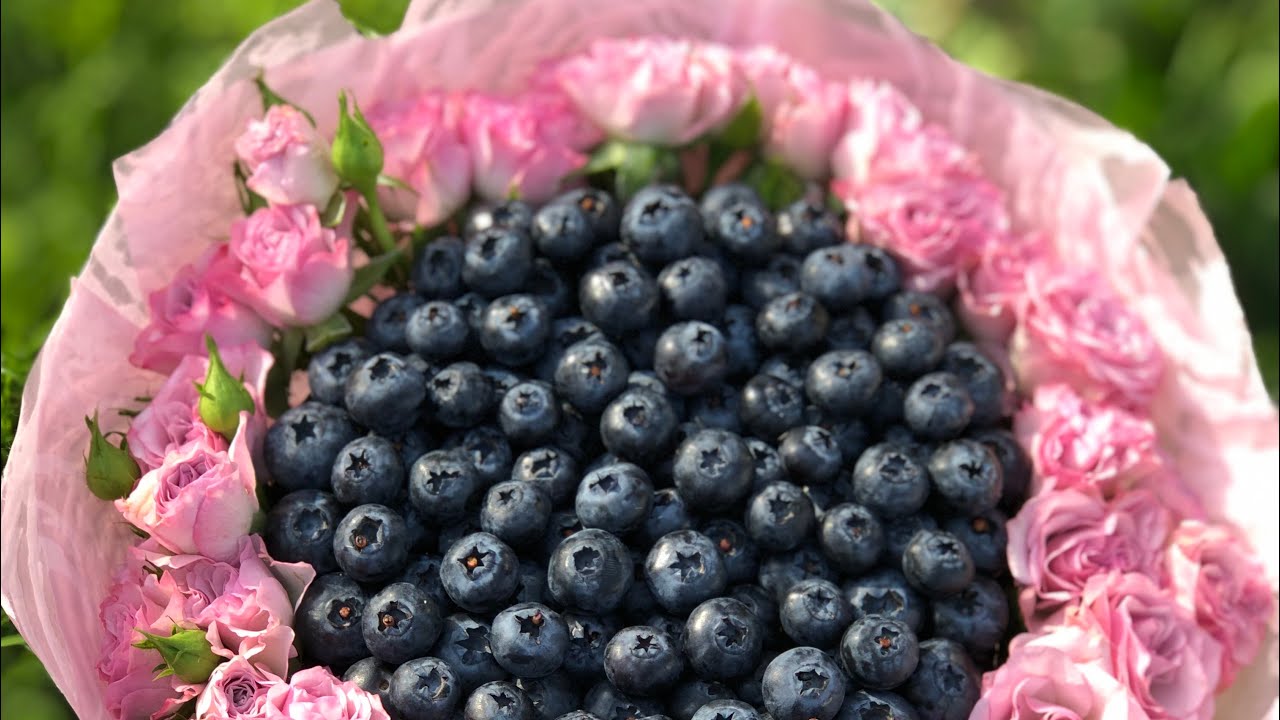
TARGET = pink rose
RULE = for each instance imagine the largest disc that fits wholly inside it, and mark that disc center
(195, 304)
(1154, 646)
(422, 147)
(292, 269)
(172, 418)
(237, 690)
(201, 499)
(991, 294)
(1074, 329)
(288, 160)
(1092, 447)
(1217, 577)
(316, 693)
(1062, 538)
(1058, 675)
(654, 90)
(525, 146)
(804, 115)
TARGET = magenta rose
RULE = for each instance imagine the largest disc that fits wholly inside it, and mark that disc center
(1154, 646)
(1224, 584)
(317, 693)
(291, 269)
(422, 147)
(654, 90)
(1062, 538)
(1074, 329)
(1061, 674)
(194, 305)
(804, 115)
(237, 690)
(991, 294)
(288, 161)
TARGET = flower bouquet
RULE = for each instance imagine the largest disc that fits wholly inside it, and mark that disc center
(656, 359)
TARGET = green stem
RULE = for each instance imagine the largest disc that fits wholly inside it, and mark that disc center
(378, 222)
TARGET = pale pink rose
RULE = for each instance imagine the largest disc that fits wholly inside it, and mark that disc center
(1094, 447)
(524, 146)
(316, 693)
(422, 147)
(1154, 646)
(201, 500)
(1062, 674)
(194, 305)
(1062, 538)
(804, 115)
(1075, 330)
(288, 160)
(237, 690)
(654, 90)
(172, 418)
(1219, 579)
(991, 294)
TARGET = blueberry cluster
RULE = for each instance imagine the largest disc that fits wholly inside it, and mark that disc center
(673, 459)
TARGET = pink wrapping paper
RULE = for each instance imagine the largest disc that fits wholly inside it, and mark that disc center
(1103, 197)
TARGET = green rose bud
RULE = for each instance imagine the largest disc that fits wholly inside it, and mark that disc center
(356, 153)
(222, 396)
(110, 471)
(186, 654)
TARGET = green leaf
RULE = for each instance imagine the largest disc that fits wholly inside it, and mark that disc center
(633, 165)
(776, 184)
(14, 640)
(331, 330)
(743, 131)
(609, 156)
(395, 182)
(335, 210)
(374, 17)
(370, 274)
(287, 350)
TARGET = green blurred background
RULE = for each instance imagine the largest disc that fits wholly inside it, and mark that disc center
(89, 80)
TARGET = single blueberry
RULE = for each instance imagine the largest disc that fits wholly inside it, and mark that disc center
(694, 288)
(907, 348)
(713, 469)
(386, 326)
(328, 621)
(425, 689)
(803, 683)
(479, 572)
(683, 569)
(843, 383)
(441, 484)
(967, 476)
(552, 696)
(601, 210)
(618, 297)
(591, 571)
(723, 639)
(937, 406)
(461, 395)
(487, 449)
(985, 536)
(300, 528)
(642, 660)
(851, 537)
(877, 705)
(810, 454)
(792, 323)
(880, 653)
(739, 553)
(373, 676)
(371, 543)
(946, 684)
(668, 514)
(976, 617)
(549, 286)
(368, 470)
(515, 512)
(814, 612)
(770, 406)
(638, 425)
(328, 370)
(438, 330)
(806, 225)
(529, 640)
(562, 232)
(515, 329)
(661, 224)
(588, 637)
(498, 700)
(616, 497)
(779, 517)
(385, 393)
(497, 261)
(936, 563)
(529, 412)
(690, 358)
(302, 444)
(746, 229)
(464, 645)
(590, 374)
(437, 270)
(890, 481)
(549, 468)
(400, 623)
(424, 572)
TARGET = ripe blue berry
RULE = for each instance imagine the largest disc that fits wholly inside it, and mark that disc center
(464, 645)
(792, 323)
(967, 476)
(499, 700)
(529, 640)
(945, 685)
(328, 621)
(425, 689)
(515, 512)
(368, 470)
(694, 288)
(515, 329)
(371, 543)
(616, 497)
(880, 653)
(438, 331)
(661, 224)
(642, 660)
(779, 517)
(937, 564)
(723, 639)
(937, 406)
(591, 571)
(302, 444)
(437, 270)
(329, 369)
(683, 569)
(852, 537)
(400, 623)
(479, 572)
(300, 528)
(803, 683)
(618, 297)
(497, 261)
(889, 480)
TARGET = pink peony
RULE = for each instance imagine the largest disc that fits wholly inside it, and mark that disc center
(654, 90)
(525, 146)
(1062, 674)
(316, 693)
(288, 160)
(1074, 329)
(195, 304)
(1154, 646)
(991, 294)
(1062, 538)
(422, 147)
(1217, 577)
(804, 115)
(237, 690)
(290, 268)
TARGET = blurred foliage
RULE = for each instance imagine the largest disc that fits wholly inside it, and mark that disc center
(97, 78)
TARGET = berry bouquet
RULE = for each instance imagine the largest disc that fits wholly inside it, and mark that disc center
(552, 359)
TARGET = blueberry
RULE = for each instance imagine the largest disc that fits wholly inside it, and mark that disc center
(565, 331)
(328, 621)
(497, 261)
(561, 525)
(880, 653)
(515, 329)
(779, 517)
(461, 394)
(602, 212)
(790, 369)
(1014, 463)
(441, 483)
(937, 406)
(945, 685)
(851, 537)
(613, 252)
(745, 229)
(976, 617)
(726, 710)
(618, 297)
(836, 276)
(605, 702)
(898, 533)
(616, 498)
(720, 408)
(791, 323)
(843, 382)
(668, 514)
(878, 705)
(936, 563)
(851, 331)
(763, 607)
(661, 224)
(370, 543)
(425, 689)
(373, 676)
(806, 225)
(438, 330)
(890, 481)
(562, 232)
(691, 695)
(770, 406)
(472, 306)
(967, 476)
(550, 287)
(437, 270)
(907, 348)
(590, 374)
(738, 326)
(749, 686)
(552, 696)
(487, 449)
(529, 640)
(810, 454)
(883, 277)
(591, 571)
(694, 288)
(300, 528)
(642, 660)
(814, 612)
(719, 197)
(400, 623)
(368, 470)
(921, 307)
(780, 572)
(981, 377)
(723, 639)
(713, 468)
(529, 412)
(766, 463)
(498, 700)
(424, 573)
(515, 512)
(511, 214)
(740, 556)
(779, 276)
(886, 408)
(690, 358)
(385, 393)
(549, 468)
(386, 326)
(985, 536)
(683, 569)
(803, 684)
(464, 645)
(301, 446)
(588, 636)
(479, 572)
(638, 425)
(328, 370)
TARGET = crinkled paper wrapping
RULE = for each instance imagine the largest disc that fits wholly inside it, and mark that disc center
(1105, 199)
